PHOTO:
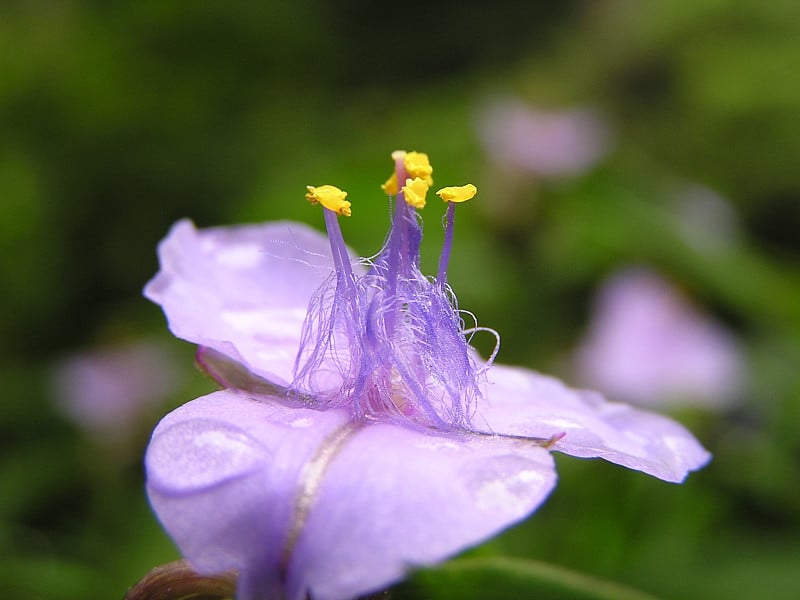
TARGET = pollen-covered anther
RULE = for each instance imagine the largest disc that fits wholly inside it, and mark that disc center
(414, 192)
(418, 165)
(390, 187)
(330, 197)
(457, 193)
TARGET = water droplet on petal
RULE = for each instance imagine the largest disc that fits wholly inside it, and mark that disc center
(507, 483)
(240, 256)
(197, 454)
(438, 446)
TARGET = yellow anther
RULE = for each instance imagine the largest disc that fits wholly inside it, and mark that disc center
(457, 193)
(390, 187)
(418, 165)
(330, 197)
(414, 192)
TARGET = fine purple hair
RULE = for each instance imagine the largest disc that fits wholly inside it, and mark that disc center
(389, 343)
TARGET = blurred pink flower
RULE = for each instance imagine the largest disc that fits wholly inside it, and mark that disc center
(110, 388)
(544, 143)
(647, 345)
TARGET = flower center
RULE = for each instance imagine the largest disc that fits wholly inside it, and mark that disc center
(390, 344)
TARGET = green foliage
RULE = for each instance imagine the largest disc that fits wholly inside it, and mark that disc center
(498, 577)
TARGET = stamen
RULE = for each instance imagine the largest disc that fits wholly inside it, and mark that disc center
(333, 201)
(414, 165)
(444, 257)
(451, 195)
(390, 186)
(341, 260)
(457, 193)
(396, 236)
(330, 197)
(391, 344)
(414, 191)
(418, 165)
(402, 248)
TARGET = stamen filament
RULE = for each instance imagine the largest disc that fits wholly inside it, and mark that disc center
(444, 257)
(397, 239)
(341, 260)
(451, 195)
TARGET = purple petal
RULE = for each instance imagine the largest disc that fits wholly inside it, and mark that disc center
(396, 498)
(336, 508)
(242, 291)
(222, 476)
(522, 402)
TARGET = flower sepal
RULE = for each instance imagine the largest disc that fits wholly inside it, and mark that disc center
(177, 580)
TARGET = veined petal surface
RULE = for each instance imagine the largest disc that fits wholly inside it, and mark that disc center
(396, 498)
(302, 501)
(525, 403)
(243, 290)
(223, 474)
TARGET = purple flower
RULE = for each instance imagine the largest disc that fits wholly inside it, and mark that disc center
(358, 435)
(548, 144)
(108, 389)
(647, 345)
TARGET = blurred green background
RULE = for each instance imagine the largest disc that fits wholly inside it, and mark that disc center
(118, 118)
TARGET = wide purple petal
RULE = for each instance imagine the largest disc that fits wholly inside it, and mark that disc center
(222, 476)
(396, 498)
(242, 291)
(522, 402)
(307, 501)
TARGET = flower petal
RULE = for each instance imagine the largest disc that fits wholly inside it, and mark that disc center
(227, 475)
(242, 291)
(395, 498)
(647, 345)
(522, 402)
(222, 476)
